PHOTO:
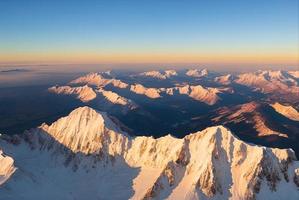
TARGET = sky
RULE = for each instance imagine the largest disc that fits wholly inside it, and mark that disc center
(212, 32)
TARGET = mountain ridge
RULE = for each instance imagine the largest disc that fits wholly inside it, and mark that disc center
(212, 163)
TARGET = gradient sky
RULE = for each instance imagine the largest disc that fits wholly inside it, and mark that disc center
(258, 32)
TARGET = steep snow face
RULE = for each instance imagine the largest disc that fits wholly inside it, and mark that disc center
(6, 167)
(114, 98)
(207, 95)
(149, 92)
(270, 81)
(287, 111)
(157, 74)
(97, 79)
(83, 93)
(85, 155)
(197, 72)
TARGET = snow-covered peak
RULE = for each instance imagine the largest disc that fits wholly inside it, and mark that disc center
(225, 79)
(91, 79)
(212, 163)
(287, 111)
(265, 75)
(84, 130)
(279, 75)
(207, 95)
(97, 79)
(149, 92)
(197, 72)
(154, 74)
(170, 73)
(270, 81)
(160, 75)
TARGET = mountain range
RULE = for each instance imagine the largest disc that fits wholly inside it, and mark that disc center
(161, 134)
(87, 155)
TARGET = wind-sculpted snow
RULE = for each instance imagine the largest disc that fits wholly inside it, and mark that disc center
(86, 155)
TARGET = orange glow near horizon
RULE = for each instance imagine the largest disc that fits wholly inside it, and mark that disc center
(91, 58)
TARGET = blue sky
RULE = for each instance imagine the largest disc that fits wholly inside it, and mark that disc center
(35, 29)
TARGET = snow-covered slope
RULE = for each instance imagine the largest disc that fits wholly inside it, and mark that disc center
(86, 156)
(83, 93)
(287, 111)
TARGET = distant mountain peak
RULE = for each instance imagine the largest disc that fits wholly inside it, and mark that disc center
(159, 75)
(197, 72)
(83, 93)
